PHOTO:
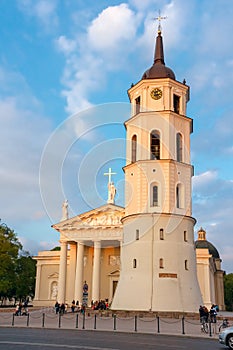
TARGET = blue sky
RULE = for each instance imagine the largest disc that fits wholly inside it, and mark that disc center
(65, 67)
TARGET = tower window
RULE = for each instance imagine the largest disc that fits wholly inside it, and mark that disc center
(161, 234)
(134, 263)
(137, 104)
(186, 264)
(179, 196)
(134, 148)
(161, 265)
(137, 235)
(155, 144)
(179, 147)
(185, 236)
(154, 196)
(176, 103)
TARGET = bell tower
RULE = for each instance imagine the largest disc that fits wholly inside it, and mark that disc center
(158, 261)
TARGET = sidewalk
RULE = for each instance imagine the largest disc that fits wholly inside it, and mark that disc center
(47, 318)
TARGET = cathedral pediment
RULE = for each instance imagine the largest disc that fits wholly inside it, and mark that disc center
(107, 216)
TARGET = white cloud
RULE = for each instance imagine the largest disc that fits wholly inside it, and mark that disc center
(33, 246)
(22, 135)
(112, 28)
(66, 45)
(204, 179)
(109, 35)
(212, 207)
(43, 10)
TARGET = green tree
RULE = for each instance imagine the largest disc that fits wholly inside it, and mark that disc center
(17, 268)
(9, 251)
(55, 249)
(228, 291)
(25, 277)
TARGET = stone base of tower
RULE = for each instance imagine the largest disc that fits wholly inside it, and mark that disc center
(158, 265)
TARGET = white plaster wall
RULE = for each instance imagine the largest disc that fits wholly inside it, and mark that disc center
(146, 288)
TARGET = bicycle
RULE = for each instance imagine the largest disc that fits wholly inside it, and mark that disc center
(204, 325)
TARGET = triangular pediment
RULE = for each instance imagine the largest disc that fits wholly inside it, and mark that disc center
(108, 215)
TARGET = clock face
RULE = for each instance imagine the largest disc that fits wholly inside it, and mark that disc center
(156, 94)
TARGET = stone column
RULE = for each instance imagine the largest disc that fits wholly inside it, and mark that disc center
(71, 276)
(62, 273)
(78, 294)
(96, 271)
(38, 273)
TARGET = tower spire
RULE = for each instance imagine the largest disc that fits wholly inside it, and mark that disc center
(159, 55)
(159, 69)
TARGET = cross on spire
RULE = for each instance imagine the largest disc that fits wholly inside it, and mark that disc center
(109, 174)
(160, 18)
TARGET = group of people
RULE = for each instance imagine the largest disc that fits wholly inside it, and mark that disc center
(60, 308)
(208, 315)
(21, 309)
(76, 307)
(100, 305)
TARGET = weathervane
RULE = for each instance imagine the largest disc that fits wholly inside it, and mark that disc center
(160, 18)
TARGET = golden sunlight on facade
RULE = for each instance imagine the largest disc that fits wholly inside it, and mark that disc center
(141, 257)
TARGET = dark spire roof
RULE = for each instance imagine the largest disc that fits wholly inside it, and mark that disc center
(159, 70)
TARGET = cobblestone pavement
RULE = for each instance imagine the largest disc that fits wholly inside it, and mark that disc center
(47, 318)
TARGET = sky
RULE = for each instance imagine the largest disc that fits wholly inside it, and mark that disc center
(65, 68)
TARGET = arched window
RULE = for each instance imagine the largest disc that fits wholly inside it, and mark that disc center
(137, 103)
(161, 265)
(134, 148)
(179, 147)
(186, 264)
(176, 101)
(137, 235)
(154, 195)
(155, 144)
(185, 236)
(134, 263)
(179, 196)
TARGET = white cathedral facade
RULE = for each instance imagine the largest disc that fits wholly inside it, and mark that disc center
(141, 257)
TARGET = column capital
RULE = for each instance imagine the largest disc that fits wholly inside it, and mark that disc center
(63, 242)
(97, 243)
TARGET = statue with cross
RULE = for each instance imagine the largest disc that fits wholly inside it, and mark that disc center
(111, 187)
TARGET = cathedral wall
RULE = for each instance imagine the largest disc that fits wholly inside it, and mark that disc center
(165, 268)
(203, 274)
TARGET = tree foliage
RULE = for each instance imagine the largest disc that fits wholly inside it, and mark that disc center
(25, 277)
(228, 291)
(9, 251)
(17, 268)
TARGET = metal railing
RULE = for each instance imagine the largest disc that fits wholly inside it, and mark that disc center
(48, 318)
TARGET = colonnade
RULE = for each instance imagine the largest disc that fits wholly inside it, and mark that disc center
(76, 271)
